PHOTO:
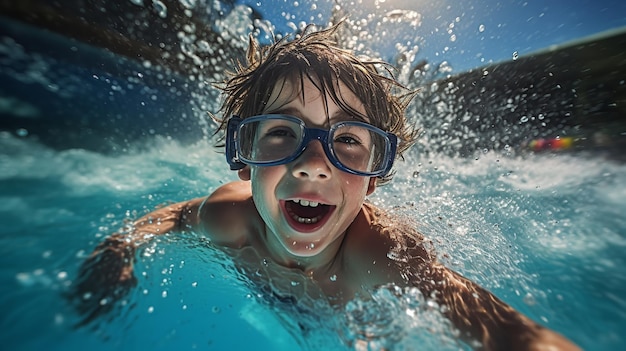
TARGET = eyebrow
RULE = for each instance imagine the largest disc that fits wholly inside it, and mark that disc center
(292, 111)
(339, 115)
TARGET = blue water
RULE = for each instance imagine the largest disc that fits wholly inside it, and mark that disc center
(546, 233)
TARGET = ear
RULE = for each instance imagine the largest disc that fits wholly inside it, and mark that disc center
(371, 186)
(244, 173)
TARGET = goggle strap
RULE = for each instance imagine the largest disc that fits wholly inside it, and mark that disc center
(393, 146)
(231, 149)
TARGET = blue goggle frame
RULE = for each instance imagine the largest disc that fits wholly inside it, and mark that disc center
(308, 135)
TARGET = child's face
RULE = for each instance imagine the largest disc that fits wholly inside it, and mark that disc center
(284, 194)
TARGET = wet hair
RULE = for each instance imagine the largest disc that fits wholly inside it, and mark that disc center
(316, 56)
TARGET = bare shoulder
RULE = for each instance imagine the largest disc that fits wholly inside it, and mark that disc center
(374, 226)
(236, 191)
(228, 215)
(383, 244)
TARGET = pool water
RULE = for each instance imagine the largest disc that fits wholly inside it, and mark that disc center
(544, 232)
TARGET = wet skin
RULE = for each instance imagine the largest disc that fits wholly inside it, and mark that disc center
(347, 248)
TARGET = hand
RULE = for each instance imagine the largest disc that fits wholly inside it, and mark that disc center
(104, 279)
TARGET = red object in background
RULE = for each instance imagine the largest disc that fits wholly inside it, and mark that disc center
(554, 144)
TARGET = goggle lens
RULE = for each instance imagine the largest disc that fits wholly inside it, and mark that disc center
(355, 147)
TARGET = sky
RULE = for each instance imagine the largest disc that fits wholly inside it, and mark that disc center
(465, 33)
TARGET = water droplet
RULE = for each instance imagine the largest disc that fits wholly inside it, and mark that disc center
(515, 55)
(58, 319)
(333, 278)
(432, 304)
(529, 299)
(86, 296)
(189, 4)
(481, 28)
(194, 284)
(150, 309)
(160, 8)
(294, 283)
(215, 309)
(21, 132)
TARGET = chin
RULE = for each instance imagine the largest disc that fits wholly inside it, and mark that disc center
(304, 249)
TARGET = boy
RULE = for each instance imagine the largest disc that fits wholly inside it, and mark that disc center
(312, 130)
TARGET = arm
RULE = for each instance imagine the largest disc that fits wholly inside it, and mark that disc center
(476, 312)
(483, 317)
(107, 276)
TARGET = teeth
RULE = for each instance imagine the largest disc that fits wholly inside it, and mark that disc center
(306, 220)
(307, 203)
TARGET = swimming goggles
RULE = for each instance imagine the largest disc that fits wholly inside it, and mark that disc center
(273, 139)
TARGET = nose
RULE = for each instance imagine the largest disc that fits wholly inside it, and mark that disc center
(312, 164)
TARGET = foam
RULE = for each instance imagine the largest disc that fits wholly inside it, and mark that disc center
(149, 169)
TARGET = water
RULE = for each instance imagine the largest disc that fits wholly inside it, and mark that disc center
(544, 232)
(546, 241)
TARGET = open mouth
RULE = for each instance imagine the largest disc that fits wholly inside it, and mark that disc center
(306, 215)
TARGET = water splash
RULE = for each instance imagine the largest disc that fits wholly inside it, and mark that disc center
(476, 210)
(397, 318)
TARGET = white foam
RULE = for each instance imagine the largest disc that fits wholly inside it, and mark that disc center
(164, 163)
